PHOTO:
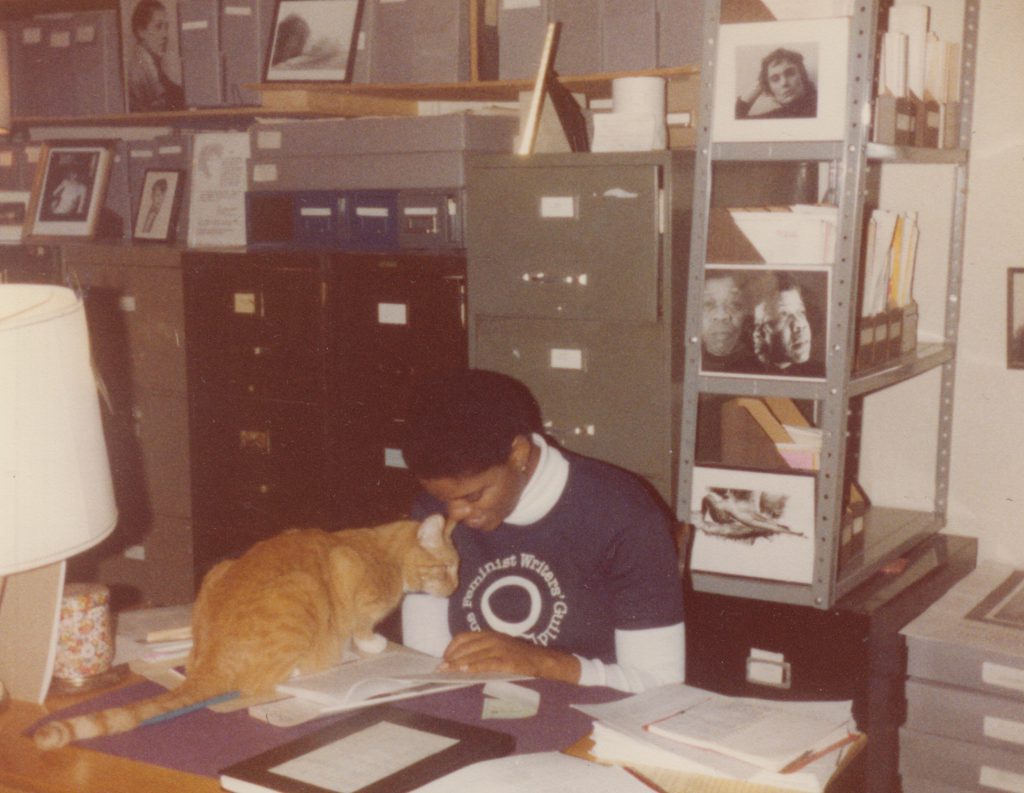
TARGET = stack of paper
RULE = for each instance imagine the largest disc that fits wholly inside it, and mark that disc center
(789, 745)
(795, 234)
(154, 635)
(890, 253)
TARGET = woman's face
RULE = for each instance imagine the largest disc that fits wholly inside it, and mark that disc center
(483, 500)
(154, 36)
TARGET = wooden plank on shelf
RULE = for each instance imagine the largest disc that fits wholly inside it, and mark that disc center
(300, 100)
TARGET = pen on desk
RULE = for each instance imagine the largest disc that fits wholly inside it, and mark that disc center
(811, 755)
(173, 714)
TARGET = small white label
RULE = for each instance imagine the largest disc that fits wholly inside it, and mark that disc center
(392, 314)
(268, 139)
(32, 153)
(315, 212)
(141, 154)
(6, 158)
(766, 667)
(566, 359)
(31, 36)
(60, 39)
(393, 458)
(126, 303)
(420, 211)
(237, 11)
(195, 24)
(1001, 779)
(557, 206)
(85, 34)
(175, 149)
(1002, 676)
(516, 5)
(1003, 729)
(264, 172)
(372, 212)
(245, 302)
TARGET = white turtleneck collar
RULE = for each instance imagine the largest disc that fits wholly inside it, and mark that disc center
(545, 486)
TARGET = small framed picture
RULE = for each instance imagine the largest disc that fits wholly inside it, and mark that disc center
(151, 55)
(757, 524)
(13, 211)
(158, 205)
(70, 184)
(313, 40)
(781, 81)
(1015, 318)
(765, 321)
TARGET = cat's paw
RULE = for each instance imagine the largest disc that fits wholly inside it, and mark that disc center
(374, 644)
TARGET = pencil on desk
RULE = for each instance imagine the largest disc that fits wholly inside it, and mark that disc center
(173, 714)
(811, 755)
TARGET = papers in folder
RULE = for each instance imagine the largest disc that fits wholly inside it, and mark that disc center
(726, 736)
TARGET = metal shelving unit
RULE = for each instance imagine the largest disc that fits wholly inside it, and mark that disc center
(888, 532)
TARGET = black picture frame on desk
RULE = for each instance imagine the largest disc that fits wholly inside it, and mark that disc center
(1015, 318)
(313, 41)
(157, 217)
(385, 740)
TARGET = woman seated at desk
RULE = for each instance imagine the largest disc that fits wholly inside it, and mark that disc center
(568, 566)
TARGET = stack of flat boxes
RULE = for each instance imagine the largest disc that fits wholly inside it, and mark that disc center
(368, 183)
(964, 729)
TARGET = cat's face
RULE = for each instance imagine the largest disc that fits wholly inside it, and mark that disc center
(433, 565)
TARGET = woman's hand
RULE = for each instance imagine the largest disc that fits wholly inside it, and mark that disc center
(487, 651)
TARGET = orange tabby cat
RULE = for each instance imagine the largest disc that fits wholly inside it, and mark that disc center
(289, 603)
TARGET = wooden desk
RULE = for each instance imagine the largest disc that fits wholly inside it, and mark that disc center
(26, 769)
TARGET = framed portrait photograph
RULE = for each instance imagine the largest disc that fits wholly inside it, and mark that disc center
(781, 81)
(1015, 318)
(13, 211)
(757, 524)
(313, 40)
(70, 184)
(765, 321)
(151, 55)
(158, 205)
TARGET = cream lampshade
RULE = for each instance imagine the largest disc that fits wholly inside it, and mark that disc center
(56, 495)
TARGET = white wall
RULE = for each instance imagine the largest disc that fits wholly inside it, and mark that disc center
(987, 479)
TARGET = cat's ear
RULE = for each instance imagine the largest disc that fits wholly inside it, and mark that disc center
(431, 533)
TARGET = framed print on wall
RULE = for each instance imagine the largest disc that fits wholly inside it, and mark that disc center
(151, 55)
(756, 524)
(313, 40)
(781, 81)
(71, 181)
(158, 205)
(1015, 318)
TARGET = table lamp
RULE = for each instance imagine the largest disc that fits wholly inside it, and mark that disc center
(56, 495)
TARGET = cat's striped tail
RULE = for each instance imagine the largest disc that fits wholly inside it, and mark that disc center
(184, 699)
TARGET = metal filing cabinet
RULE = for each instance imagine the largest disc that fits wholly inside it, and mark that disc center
(256, 385)
(572, 290)
(134, 308)
(392, 317)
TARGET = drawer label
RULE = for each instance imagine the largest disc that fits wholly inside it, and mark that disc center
(1002, 676)
(1003, 729)
(393, 458)
(245, 302)
(1001, 779)
(566, 359)
(392, 314)
(557, 206)
(268, 139)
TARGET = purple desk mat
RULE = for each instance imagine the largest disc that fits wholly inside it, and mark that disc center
(203, 742)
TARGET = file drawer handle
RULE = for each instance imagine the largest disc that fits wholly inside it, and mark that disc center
(545, 278)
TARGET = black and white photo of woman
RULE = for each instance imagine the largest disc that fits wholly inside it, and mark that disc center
(152, 61)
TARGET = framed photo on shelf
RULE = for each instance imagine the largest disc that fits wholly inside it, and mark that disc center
(158, 205)
(756, 524)
(70, 184)
(765, 321)
(151, 56)
(13, 211)
(313, 40)
(781, 81)
(1015, 318)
